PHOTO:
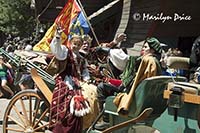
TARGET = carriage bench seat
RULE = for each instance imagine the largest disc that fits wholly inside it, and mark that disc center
(191, 91)
(149, 93)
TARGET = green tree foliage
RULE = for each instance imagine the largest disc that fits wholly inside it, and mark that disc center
(16, 17)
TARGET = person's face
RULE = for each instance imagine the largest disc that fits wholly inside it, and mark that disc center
(163, 60)
(85, 46)
(76, 44)
(145, 49)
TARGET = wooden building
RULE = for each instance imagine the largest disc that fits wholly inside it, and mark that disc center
(174, 33)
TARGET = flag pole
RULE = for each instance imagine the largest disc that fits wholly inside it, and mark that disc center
(88, 22)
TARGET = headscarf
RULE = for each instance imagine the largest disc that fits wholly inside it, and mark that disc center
(154, 44)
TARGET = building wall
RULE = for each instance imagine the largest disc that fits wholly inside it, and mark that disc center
(176, 32)
(179, 34)
(106, 23)
(138, 30)
(183, 27)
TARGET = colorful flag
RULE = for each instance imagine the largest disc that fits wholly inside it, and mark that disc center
(79, 26)
(71, 20)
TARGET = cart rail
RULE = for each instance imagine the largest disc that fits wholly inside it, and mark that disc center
(25, 65)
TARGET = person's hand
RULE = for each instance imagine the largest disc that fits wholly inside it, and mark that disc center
(59, 31)
(93, 70)
(119, 38)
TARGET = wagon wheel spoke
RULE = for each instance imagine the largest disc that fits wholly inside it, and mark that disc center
(16, 130)
(37, 105)
(42, 116)
(19, 114)
(24, 111)
(17, 122)
(30, 110)
(42, 126)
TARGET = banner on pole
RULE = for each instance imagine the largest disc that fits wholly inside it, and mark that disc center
(71, 19)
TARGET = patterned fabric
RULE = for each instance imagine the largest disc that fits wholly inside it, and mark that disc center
(130, 70)
(61, 120)
(65, 17)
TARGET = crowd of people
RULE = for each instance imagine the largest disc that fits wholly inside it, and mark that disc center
(71, 66)
(127, 70)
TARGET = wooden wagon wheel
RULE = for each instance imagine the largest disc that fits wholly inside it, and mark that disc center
(27, 112)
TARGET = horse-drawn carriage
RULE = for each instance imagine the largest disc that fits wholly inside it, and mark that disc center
(157, 105)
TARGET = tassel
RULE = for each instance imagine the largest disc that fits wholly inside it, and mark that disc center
(79, 106)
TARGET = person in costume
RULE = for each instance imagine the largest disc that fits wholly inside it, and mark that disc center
(4, 66)
(85, 48)
(70, 70)
(172, 52)
(116, 57)
(70, 64)
(136, 70)
(90, 90)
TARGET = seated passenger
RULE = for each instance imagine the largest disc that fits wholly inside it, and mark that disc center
(116, 59)
(195, 58)
(148, 66)
(172, 52)
(196, 77)
(116, 62)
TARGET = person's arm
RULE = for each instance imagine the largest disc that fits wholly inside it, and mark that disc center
(60, 51)
(7, 65)
(118, 39)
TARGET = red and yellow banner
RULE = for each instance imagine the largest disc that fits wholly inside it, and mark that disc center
(64, 19)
